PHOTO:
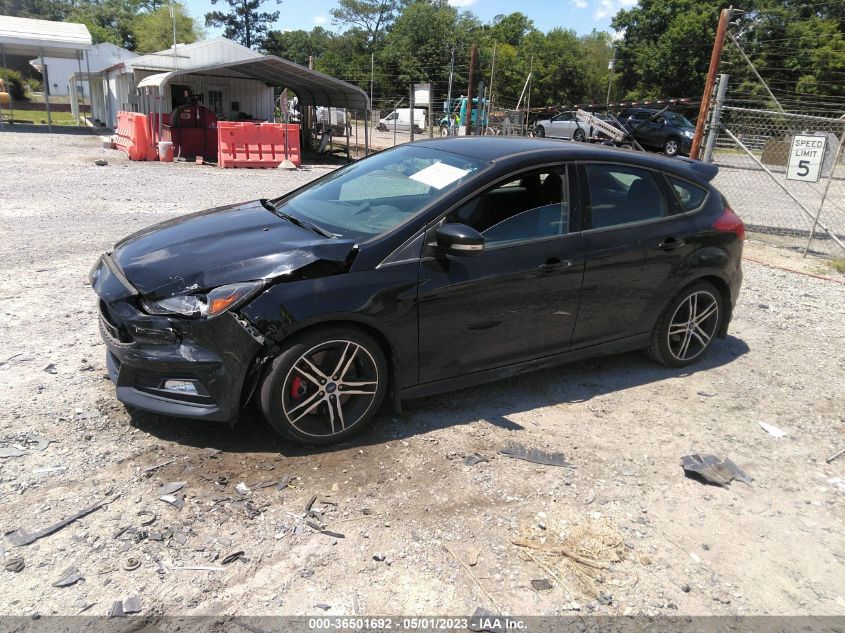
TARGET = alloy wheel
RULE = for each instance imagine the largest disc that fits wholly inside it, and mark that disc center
(671, 147)
(579, 136)
(693, 325)
(541, 132)
(330, 388)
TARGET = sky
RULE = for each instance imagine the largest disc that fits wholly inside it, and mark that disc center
(581, 15)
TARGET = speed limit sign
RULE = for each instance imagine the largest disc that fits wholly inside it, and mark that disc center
(806, 156)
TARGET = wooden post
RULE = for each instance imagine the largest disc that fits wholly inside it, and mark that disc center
(715, 58)
(468, 123)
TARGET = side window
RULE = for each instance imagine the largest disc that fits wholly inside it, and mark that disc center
(620, 195)
(690, 196)
(533, 206)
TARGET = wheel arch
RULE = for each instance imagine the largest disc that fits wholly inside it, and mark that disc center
(387, 348)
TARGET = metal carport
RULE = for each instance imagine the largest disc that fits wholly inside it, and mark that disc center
(312, 87)
(43, 38)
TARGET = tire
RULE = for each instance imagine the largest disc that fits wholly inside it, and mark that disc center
(672, 146)
(541, 132)
(579, 136)
(303, 399)
(673, 345)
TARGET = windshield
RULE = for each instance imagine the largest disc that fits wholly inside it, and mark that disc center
(676, 119)
(380, 192)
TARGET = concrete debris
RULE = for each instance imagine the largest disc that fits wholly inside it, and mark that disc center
(101, 162)
(242, 488)
(534, 455)
(541, 584)
(713, 470)
(11, 451)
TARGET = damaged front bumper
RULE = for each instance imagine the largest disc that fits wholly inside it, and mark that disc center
(193, 368)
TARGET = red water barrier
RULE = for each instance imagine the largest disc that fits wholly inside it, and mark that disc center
(133, 136)
(257, 145)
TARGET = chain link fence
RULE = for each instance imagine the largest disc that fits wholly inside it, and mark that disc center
(753, 151)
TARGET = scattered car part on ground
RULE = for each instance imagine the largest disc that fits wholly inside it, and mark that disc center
(14, 564)
(837, 454)
(70, 576)
(534, 455)
(412, 272)
(713, 470)
(21, 537)
(772, 430)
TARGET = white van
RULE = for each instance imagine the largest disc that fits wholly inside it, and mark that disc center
(400, 118)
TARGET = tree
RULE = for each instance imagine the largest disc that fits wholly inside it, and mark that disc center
(108, 20)
(511, 28)
(298, 46)
(56, 10)
(244, 22)
(372, 17)
(154, 30)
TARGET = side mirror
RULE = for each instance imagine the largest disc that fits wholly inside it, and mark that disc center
(460, 240)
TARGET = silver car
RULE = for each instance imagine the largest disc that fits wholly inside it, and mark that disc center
(563, 125)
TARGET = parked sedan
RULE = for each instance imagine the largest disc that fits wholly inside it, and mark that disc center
(428, 267)
(563, 125)
(669, 132)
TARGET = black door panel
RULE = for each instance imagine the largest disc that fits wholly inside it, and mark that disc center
(512, 303)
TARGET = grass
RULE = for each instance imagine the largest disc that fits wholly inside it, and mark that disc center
(837, 264)
(39, 117)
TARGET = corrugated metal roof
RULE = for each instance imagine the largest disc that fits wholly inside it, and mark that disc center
(25, 36)
(312, 87)
(203, 53)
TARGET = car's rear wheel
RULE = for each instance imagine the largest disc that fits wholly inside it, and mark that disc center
(325, 386)
(579, 136)
(672, 146)
(541, 131)
(686, 329)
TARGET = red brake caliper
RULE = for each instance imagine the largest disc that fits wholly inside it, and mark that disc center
(297, 389)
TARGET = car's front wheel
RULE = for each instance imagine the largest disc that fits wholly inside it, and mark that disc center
(325, 386)
(688, 325)
(541, 131)
(672, 146)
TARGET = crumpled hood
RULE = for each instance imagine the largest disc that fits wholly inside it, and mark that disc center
(220, 246)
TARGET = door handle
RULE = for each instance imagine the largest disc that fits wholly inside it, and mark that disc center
(554, 263)
(671, 243)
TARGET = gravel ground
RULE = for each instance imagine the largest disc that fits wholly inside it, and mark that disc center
(423, 531)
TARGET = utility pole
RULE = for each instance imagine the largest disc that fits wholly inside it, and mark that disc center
(715, 119)
(413, 119)
(610, 67)
(451, 76)
(472, 55)
(492, 70)
(528, 98)
(715, 58)
(372, 75)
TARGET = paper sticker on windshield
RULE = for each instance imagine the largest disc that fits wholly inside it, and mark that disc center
(439, 175)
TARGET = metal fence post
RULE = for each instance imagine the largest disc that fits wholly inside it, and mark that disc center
(824, 193)
(413, 122)
(715, 118)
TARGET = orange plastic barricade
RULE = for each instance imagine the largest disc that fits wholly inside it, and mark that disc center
(257, 145)
(133, 136)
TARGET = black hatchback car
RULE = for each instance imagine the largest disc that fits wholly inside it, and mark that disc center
(432, 266)
(662, 130)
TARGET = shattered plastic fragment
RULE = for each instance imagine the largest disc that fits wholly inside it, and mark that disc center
(713, 470)
(475, 458)
(20, 537)
(170, 488)
(70, 576)
(533, 455)
(11, 452)
(772, 430)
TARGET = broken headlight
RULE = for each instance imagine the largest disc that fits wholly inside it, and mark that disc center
(209, 305)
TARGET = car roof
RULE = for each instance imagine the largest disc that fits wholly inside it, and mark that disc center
(501, 149)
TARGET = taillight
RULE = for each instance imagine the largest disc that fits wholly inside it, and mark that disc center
(729, 222)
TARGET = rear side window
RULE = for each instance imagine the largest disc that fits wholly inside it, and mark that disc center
(689, 195)
(621, 195)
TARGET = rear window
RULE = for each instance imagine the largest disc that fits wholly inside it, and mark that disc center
(689, 195)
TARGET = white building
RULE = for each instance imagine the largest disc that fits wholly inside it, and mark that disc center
(59, 70)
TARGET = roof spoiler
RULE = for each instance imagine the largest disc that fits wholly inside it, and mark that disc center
(707, 171)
